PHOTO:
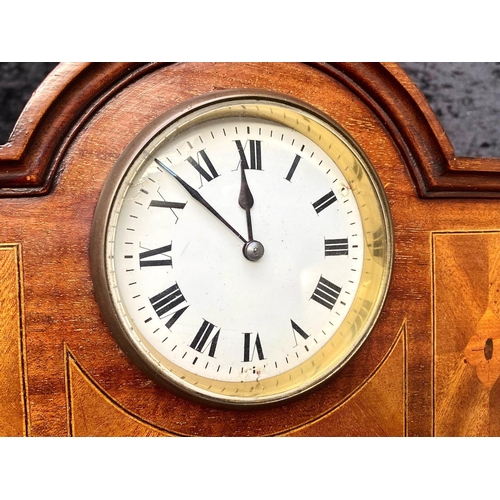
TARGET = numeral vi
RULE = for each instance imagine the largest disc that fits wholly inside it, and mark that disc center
(250, 349)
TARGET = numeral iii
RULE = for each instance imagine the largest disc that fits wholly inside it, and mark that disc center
(336, 247)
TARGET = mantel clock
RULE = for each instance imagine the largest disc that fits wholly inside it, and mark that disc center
(242, 249)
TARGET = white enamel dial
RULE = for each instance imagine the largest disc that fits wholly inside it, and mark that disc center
(236, 256)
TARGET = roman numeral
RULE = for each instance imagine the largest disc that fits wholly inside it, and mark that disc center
(173, 205)
(336, 247)
(144, 260)
(208, 176)
(255, 155)
(249, 350)
(167, 300)
(175, 317)
(293, 167)
(166, 204)
(201, 340)
(296, 328)
(324, 201)
(326, 293)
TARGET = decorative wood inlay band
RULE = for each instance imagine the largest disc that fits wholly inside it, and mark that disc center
(13, 395)
(91, 412)
(366, 401)
(466, 333)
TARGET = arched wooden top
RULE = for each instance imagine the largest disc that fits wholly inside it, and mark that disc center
(57, 110)
(73, 92)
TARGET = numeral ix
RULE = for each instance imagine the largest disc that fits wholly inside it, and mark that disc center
(145, 261)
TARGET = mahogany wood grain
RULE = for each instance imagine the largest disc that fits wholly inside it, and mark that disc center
(13, 414)
(30, 158)
(78, 380)
(467, 339)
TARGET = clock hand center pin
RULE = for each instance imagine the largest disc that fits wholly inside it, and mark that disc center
(253, 250)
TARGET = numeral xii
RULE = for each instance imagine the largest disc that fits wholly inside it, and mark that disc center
(255, 155)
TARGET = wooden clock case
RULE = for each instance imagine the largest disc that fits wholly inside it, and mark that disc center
(431, 364)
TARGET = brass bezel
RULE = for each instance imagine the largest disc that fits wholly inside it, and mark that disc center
(361, 174)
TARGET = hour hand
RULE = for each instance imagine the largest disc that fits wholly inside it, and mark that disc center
(253, 250)
(197, 196)
(246, 201)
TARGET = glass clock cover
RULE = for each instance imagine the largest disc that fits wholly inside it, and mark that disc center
(242, 248)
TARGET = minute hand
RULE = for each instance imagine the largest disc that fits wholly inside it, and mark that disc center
(197, 196)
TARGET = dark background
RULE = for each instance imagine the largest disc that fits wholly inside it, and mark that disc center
(17, 83)
(465, 97)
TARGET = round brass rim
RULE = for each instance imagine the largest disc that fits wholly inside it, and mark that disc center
(362, 175)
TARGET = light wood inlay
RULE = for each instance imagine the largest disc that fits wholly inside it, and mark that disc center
(467, 333)
(377, 408)
(91, 412)
(13, 397)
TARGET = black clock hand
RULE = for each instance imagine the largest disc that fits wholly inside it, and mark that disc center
(246, 201)
(197, 196)
(253, 250)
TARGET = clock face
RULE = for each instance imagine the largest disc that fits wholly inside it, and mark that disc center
(241, 249)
